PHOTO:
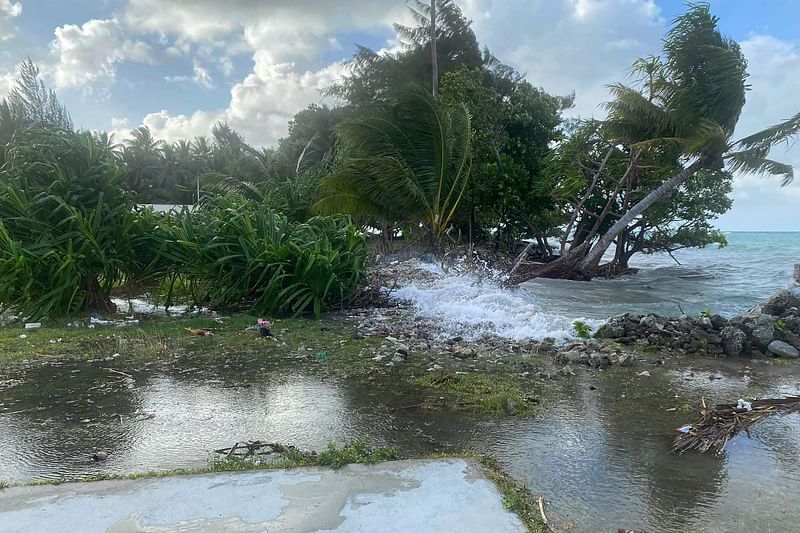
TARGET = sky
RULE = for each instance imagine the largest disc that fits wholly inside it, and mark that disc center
(179, 66)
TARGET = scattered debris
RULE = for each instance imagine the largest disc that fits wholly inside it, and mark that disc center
(199, 332)
(715, 426)
(257, 447)
(264, 327)
(99, 456)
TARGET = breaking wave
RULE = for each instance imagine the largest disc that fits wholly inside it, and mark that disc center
(465, 305)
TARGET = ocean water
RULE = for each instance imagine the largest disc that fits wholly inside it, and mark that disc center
(728, 281)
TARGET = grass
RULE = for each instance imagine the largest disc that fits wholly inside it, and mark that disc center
(335, 457)
(781, 361)
(516, 497)
(163, 338)
(492, 393)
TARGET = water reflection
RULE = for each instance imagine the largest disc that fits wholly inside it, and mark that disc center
(599, 453)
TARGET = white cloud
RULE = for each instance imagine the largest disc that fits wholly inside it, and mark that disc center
(760, 203)
(89, 54)
(569, 45)
(8, 11)
(202, 76)
(225, 65)
(260, 107)
(7, 81)
(120, 130)
(289, 22)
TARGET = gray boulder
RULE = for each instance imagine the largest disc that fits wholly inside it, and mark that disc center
(613, 329)
(763, 335)
(734, 341)
(781, 302)
(648, 321)
(783, 349)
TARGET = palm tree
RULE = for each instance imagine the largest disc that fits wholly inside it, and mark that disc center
(409, 162)
(143, 156)
(694, 97)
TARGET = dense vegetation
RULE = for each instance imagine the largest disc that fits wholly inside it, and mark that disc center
(475, 153)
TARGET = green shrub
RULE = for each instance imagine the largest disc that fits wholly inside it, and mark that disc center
(65, 224)
(232, 252)
(582, 329)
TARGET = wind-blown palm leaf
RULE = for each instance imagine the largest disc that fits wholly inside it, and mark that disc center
(786, 131)
(409, 162)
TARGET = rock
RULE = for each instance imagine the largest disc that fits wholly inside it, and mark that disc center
(763, 332)
(718, 322)
(781, 302)
(791, 338)
(99, 456)
(648, 321)
(704, 322)
(626, 360)
(464, 354)
(398, 359)
(566, 371)
(597, 360)
(700, 335)
(572, 357)
(511, 407)
(734, 341)
(402, 349)
(613, 329)
(783, 349)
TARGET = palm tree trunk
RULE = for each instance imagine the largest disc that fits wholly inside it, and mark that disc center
(592, 259)
(434, 55)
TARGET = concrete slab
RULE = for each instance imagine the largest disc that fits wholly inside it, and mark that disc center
(418, 495)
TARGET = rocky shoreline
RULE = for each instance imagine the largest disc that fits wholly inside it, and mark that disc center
(769, 330)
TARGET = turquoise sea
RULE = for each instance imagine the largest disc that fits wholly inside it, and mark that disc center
(728, 280)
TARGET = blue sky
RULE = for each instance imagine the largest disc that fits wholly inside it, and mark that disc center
(180, 65)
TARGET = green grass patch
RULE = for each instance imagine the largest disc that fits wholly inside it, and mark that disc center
(485, 392)
(782, 361)
(516, 497)
(333, 456)
(321, 340)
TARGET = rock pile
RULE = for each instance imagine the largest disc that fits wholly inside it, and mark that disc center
(772, 329)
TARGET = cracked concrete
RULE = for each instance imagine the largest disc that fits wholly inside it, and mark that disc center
(416, 495)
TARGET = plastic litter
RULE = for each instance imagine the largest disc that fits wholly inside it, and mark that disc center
(264, 327)
(688, 428)
(741, 404)
(322, 354)
(97, 320)
(23, 336)
(33, 325)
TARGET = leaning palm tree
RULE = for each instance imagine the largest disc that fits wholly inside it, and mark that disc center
(692, 101)
(698, 95)
(407, 163)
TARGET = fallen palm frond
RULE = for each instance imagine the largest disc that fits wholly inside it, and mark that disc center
(716, 426)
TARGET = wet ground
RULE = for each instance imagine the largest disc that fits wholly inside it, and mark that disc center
(598, 452)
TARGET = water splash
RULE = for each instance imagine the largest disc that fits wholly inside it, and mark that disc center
(464, 304)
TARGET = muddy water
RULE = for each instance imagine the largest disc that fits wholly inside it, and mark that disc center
(599, 453)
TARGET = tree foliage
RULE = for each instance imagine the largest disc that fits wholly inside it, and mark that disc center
(408, 162)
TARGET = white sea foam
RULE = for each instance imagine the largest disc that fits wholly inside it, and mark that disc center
(462, 304)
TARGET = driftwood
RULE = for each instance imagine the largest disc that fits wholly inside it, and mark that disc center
(256, 447)
(716, 426)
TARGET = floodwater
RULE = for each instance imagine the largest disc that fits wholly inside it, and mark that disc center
(599, 452)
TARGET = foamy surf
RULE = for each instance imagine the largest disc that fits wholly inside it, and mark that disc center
(465, 305)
